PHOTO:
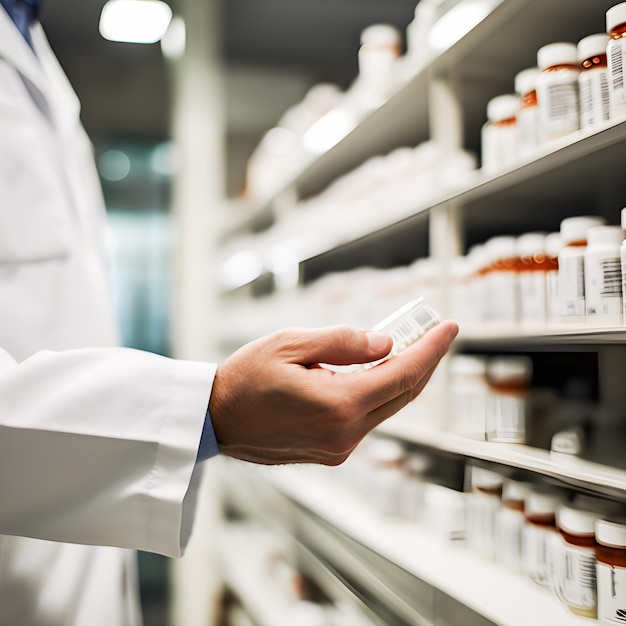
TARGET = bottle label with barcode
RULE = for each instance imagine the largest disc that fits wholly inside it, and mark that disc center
(572, 285)
(603, 289)
(575, 576)
(559, 106)
(594, 97)
(617, 88)
(611, 594)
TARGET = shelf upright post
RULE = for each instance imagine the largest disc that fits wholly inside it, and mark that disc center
(445, 229)
(446, 130)
(197, 129)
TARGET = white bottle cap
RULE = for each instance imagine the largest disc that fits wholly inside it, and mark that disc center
(615, 16)
(542, 503)
(592, 46)
(502, 107)
(516, 490)
(380, 35)
(557, 54)
(465, 365)
(623, 220)
(526, 80)
(576, 521)
(611, 533)
(510, 368)
(554, 243)
(531, 244)
(486, 479)
(576, 228)
(498, 248)
(605, 236)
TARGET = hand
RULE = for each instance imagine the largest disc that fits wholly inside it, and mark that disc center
(272, 404)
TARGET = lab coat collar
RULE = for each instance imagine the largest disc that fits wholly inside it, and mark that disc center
(54, 95)
(15, 50)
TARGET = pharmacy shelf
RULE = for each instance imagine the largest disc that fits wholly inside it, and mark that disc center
(489, 55)
(579, 473)
(502, 597)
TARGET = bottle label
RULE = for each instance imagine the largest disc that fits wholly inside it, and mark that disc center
(558, 101)
(603, 289)
(575, 576)
(468, 407)
(509, 525)
(506, 418)
(611, 594)
(552, 298)
(532, 297)
(540, 547)
(594, 97)
(499, 146)
(502, 297)
(528, 129)
(481, 520)
(572, 285)
(617, 89)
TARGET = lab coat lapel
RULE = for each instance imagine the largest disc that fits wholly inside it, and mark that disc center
(15, 50)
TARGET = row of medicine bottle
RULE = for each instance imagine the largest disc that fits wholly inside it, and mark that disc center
(573, 87)
(572, 544)
(540, 279)
(576, 546)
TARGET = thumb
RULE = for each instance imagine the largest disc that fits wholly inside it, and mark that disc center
(342, 345)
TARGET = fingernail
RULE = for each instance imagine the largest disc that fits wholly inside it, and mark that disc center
(378, 341)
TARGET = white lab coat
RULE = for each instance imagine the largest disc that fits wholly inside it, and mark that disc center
(97, 443)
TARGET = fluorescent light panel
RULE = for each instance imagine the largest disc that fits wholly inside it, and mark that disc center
(135, 21)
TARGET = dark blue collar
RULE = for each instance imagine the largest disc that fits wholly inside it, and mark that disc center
(23, 13)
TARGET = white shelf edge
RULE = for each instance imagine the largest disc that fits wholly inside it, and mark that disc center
(562, 334)
(600, 478)
(451, 569)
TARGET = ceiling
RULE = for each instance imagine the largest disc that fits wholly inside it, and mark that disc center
(273, 51)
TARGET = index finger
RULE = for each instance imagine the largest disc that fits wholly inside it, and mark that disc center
(403, 372)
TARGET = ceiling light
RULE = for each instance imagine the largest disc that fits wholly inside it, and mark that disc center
(135, 21)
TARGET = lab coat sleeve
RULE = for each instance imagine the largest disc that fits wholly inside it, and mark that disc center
(98, 446)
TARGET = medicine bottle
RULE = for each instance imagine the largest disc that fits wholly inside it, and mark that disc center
(510, 523)
(540, 537)
(483, 503)
(557, 89)
(478, 307)
(574, 232)
(501, 280)
(533, 269)
(593, 80)
(378, 55)
(603, 276)
(468, 395)
(499, 135)
(388, 475)
(575, 568)
(554, 243)
(509, 384)
(528, 110)
(611, 571)
(616, 55)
